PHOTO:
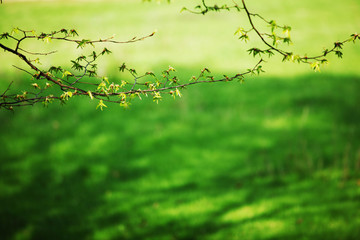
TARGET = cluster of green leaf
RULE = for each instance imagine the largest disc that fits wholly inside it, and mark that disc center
(71, 82)
(204, 8)
(272, 38)
(82, 79)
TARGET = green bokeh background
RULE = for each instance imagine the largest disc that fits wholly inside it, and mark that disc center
(277, 157)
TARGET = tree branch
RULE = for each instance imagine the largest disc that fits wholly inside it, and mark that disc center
(69, 83)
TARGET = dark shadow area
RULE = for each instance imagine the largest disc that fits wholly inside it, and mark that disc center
(226, 168)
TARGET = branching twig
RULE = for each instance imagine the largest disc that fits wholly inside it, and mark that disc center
(7, 89)
(21, 69)
(32, 53)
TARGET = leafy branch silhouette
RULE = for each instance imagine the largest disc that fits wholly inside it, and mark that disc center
(58, 83)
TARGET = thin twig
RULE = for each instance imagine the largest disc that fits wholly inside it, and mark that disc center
(258, 33)
(32, 53)
(7, 89)
(23, 70)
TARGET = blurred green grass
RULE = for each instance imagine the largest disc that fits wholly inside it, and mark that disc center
(275, 158)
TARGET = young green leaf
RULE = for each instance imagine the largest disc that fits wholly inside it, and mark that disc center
(122, 67)
(244, 37)
(76, 66)
(157, 97)
(35, 85)
(315, 66)
(101, 105)
(239, 31)
(339, 54)
(105, 51)
(14, 31)
(4, 35)
(125, 105)
(66, 95)
(273, 25)
(177, 92)
(90, 95)
(73, 33)
(47, 39)
(101, 86)
(67, 73)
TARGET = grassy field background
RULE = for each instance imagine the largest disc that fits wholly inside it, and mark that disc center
(275, 158)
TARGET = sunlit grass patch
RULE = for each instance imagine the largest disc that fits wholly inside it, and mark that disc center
(194, 208)
(248, 212)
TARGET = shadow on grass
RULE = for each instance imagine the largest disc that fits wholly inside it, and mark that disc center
(47, 205)
(273, 159)
(45, 209)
